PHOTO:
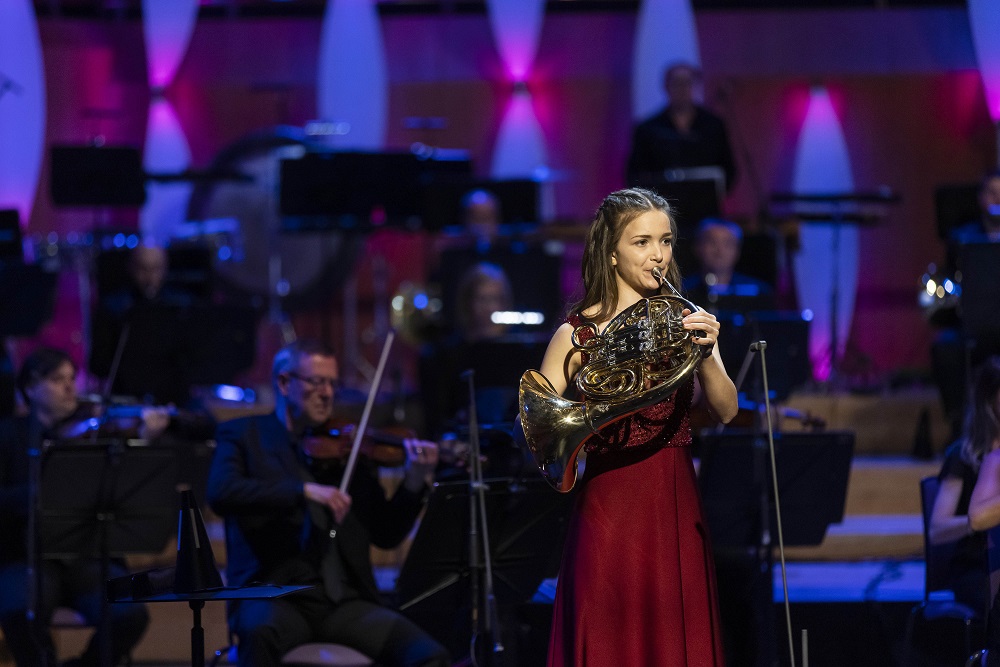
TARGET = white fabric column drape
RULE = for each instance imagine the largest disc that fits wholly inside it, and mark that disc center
(519, 151)
(665, 33)
(984, 20)
(827, 263)
(22, 106)
(351, 90)
(167, 28)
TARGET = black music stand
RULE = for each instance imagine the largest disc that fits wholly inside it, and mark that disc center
(787, 334)
(339, 191)
(527, 523)
(444, 199)
(97, 176)
(980, 265)
(27, 298)
(103, 499)
(735, 482)
(813, 469)
(11, 239)
(863, 209)
(196, 601)
(694, 194)
(106, 499)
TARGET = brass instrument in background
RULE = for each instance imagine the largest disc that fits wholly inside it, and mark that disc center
(939, 291)
(643, 355)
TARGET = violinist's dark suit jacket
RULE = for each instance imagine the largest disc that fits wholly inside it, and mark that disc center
(256, 482)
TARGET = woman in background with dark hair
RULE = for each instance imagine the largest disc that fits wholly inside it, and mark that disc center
(982, 440)
(483, 290)
(637, 583)
(950, 518)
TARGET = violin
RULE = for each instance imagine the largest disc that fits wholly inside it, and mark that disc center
(332, 441)
(95, 420)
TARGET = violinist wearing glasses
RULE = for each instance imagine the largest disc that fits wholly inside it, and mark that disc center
(47, 383)
(288, 522)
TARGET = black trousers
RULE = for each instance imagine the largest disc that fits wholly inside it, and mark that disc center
(68, 583)
(267, 629)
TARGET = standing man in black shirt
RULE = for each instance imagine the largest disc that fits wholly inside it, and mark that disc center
(683, 135)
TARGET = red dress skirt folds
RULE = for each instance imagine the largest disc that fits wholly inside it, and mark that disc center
(637, 582)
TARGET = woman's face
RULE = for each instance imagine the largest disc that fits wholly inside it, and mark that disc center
(490, 296)
(646, 243)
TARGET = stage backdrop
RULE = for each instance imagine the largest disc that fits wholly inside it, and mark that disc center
(909, 99)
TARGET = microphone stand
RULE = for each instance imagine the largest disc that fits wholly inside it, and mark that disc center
(477, 541)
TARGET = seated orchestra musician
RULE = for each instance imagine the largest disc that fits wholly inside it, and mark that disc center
(154, 361)
(483, 289)
(744, 594)
(47, 383)
(287, 522)
(478, 343)
(950, 518)
(718, 286)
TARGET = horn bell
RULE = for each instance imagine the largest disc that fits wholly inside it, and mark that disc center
(555, 429)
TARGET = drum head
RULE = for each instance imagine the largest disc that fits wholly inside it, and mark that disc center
(303, 268)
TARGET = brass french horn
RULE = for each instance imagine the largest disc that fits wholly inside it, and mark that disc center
(643, 355)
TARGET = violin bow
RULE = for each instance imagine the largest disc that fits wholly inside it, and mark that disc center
(359, 433)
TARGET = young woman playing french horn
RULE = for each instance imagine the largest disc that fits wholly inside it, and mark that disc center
(637, 584)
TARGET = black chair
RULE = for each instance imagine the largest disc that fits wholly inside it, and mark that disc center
(939, 609)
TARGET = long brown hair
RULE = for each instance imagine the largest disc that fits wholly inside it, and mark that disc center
(616, 211)
(982, 423)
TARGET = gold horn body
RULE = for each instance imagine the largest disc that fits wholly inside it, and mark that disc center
(642, 356)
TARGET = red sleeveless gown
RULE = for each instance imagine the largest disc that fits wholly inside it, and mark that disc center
(637, 582)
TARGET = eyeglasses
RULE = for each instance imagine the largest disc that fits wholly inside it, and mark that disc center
(315, 382)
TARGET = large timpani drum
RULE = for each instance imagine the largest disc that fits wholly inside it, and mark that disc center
(300, 267)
